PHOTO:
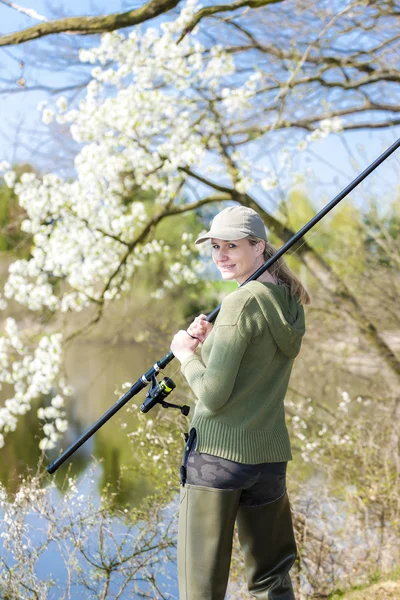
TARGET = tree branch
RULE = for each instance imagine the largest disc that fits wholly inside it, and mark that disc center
(211, 10)
(90, 25)
(169, 211)
(101, 24)
(253, 133)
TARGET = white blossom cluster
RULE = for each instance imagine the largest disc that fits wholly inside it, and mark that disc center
(148, 112)
(70, 243)
(343, 405)
(320, 432)
(147, 437)
(249, 175)
(145, 115)
(179, 273)
(54, 422)
(31, 374)
(236, 100)
(323, 432)
(326, 126)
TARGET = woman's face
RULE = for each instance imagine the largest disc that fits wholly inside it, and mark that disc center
(237, 259)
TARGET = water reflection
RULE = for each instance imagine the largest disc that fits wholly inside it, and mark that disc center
(95, 370)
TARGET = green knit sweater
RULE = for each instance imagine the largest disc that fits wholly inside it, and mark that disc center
(242, 377)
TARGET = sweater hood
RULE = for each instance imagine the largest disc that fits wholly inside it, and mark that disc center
(284, 315)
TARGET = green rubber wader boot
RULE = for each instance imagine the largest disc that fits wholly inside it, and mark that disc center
(205, 531)
(267, 539)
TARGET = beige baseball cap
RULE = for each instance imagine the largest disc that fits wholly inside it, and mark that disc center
(235, 223)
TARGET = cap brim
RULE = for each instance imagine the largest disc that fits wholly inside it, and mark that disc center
(221, 234)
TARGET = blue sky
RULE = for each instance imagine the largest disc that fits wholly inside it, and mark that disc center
(330, 158)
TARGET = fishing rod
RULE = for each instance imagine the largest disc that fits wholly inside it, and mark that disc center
(159, 391)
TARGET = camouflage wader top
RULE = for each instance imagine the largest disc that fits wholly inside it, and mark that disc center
(260, 483)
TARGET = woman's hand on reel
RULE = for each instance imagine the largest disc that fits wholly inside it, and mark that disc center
(200, 328)
(186, 341)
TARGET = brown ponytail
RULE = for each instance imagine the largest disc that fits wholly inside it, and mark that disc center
(282, 271)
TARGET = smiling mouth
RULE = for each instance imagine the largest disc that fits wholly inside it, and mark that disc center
(226, 266)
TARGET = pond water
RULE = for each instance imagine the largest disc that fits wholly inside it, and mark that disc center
(69, 557)
(95, 371)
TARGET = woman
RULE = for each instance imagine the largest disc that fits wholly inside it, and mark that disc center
(236, 465)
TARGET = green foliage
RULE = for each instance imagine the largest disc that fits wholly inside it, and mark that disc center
(383, 233)
(346, 239)
(298, 210)
(342, 237)
(12, 239)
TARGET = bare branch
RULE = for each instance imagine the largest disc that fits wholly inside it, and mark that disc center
(90, 25)
(104, 23)
(212, 10)
(310, 123)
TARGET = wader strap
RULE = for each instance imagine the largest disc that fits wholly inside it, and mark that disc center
(188, 446)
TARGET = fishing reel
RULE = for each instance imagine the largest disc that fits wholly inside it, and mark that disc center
(157, 393)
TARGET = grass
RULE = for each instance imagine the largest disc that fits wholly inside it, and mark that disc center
(351, 593)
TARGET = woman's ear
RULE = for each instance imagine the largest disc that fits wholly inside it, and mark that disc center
(260, 247)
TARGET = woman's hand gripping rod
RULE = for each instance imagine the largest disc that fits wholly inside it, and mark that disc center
(149, 376)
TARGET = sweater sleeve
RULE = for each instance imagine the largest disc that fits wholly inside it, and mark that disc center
(213, 384)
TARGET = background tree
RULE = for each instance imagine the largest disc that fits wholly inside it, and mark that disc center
(155, 113)
(169, 128)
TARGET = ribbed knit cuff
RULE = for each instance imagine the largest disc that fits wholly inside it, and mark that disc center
(240, 445)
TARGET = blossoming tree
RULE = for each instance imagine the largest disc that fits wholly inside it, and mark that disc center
(156, 116)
